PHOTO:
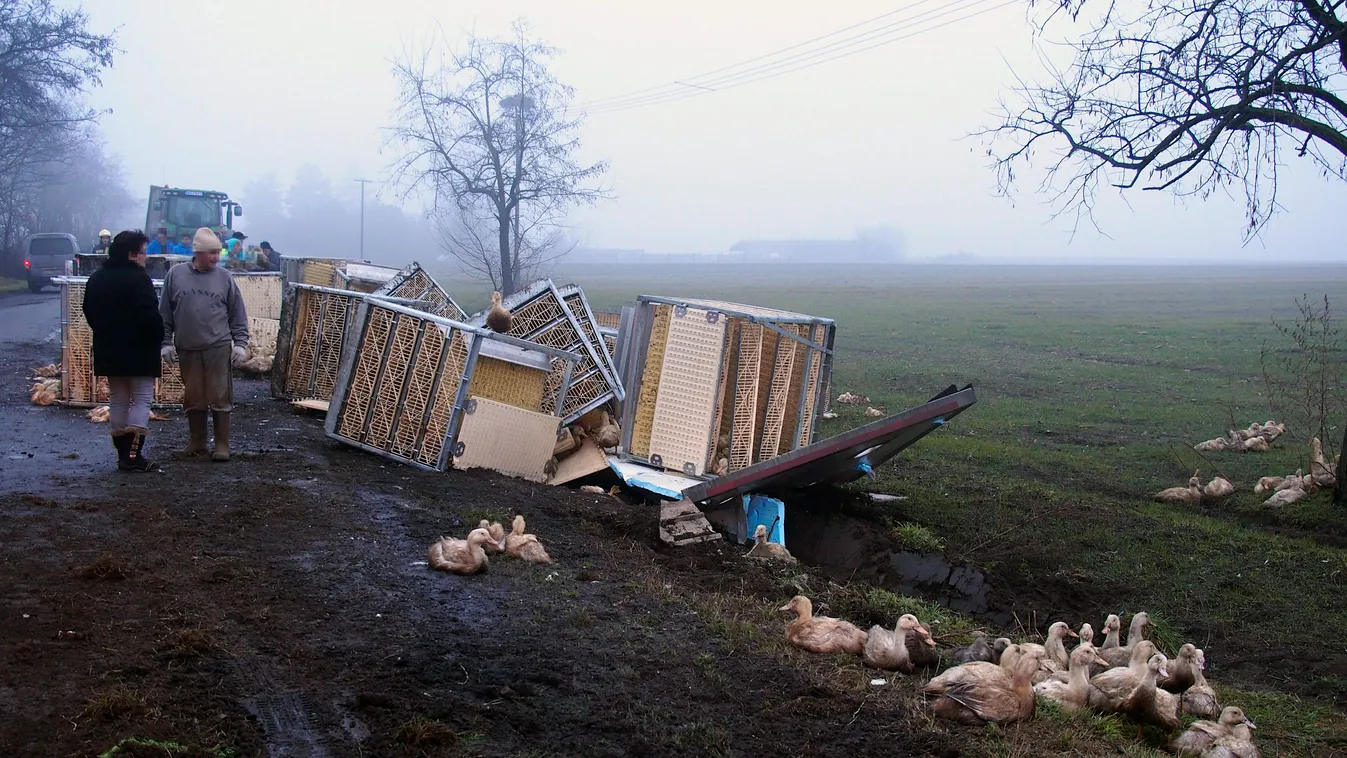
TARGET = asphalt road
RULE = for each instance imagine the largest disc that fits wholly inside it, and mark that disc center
(26, 317)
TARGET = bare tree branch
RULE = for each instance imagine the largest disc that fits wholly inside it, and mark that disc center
(1188, 97)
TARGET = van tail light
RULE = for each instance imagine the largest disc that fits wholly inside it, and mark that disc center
(27, 264)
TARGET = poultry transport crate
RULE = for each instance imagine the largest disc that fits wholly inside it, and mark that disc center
(709, 380)
(415, 283)
(323, 272)
(433, 393)
(80, 388)
(560, 318)
(262, 299)
(312, 333)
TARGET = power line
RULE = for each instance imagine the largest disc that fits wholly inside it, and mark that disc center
(798, 63)
(708, 81)
(772, 54)
(801, 62)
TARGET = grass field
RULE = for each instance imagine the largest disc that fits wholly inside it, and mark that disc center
(1093, 385)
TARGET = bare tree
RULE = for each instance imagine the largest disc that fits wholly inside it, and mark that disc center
(487, 129)
(1306, 374)
(48, 58)
(538, 241)
(1188, 97)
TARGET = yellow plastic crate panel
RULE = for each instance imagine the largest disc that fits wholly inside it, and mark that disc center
(261, 293)
(79, 387)
(503, 438)
(542, 315)
(405, 377)
(681, 432)
(607, 319)
(751, 389)
(415, 283)
(312, 332)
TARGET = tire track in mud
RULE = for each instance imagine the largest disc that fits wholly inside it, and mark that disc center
(285, 716)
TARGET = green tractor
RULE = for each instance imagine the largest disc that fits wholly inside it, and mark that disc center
(183, 211)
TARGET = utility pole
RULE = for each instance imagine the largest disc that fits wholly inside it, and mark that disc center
(363, 182)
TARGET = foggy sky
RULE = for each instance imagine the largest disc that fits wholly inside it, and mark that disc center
(215, 95)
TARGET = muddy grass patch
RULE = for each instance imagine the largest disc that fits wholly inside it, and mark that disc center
(425, 734)
(138, 747)
(117, 704)
(191, 642)
(108, 568)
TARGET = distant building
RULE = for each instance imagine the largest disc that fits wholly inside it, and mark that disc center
(605, 255)
(816, 251)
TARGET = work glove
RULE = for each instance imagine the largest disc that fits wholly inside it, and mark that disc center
(169, 353)
(239, 355)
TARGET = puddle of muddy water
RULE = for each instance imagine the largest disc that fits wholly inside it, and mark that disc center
(851, 548)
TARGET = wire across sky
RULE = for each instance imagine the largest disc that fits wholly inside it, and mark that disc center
(884, 29)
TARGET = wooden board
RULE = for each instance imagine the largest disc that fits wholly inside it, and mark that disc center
(312, 405)
(583, 462)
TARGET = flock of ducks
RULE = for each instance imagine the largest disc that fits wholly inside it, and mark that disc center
(469, 556)
(1258, 438)
(1282, 490)
(851, 398)
(998, 681)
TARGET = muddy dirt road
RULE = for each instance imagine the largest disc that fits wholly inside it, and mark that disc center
(278, 605)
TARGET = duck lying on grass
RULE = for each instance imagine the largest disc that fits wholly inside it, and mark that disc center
(768, 550)
(889, 650)
(821, 634)
(1206, 738)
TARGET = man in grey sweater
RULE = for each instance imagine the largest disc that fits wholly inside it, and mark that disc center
(206, 330)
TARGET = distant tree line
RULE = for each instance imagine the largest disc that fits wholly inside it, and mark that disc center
(315, 217)
(55, 173)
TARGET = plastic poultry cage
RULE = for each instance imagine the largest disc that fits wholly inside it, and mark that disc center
(715, 387)
(415, 283)
(560, 318)
(80, 388)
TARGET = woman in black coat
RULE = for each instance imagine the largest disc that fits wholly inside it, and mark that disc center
(123, 311)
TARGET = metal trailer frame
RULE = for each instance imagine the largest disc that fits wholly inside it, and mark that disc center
(634, 345)
(478, 337)
(843, 458)
(280, 370)
(594, 353)
(431, 293)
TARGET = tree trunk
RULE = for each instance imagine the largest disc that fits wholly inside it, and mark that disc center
(507, 284)
(1340, 487)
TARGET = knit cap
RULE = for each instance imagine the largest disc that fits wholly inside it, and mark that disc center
(205, 241)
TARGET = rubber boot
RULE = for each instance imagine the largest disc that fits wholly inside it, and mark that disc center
(221, 453)
(122, 441)
(136, 461)
(196, 433)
